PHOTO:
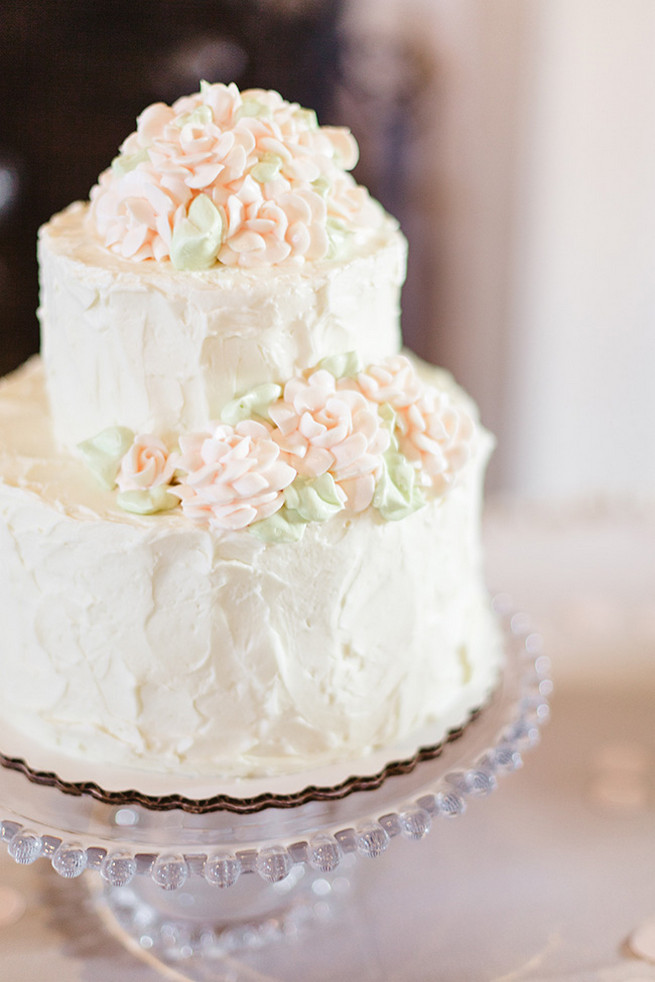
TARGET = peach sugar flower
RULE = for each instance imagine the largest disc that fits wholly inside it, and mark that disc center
(324, 426)
(233, 476)
(434, 434)
(147, 464)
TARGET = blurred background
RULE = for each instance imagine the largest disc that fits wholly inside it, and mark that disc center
(514, 140)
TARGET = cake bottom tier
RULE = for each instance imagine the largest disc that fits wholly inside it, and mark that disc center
(150, 642)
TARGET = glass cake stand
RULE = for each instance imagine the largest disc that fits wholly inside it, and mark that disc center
(191, 880)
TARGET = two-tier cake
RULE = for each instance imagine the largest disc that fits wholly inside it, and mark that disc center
(239, 528)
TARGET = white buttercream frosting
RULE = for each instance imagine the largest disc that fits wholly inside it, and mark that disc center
(148, 641)
(155, 349)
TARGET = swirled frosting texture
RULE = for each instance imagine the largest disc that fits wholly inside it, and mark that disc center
(240, 178)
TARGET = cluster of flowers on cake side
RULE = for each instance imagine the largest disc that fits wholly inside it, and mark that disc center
(336, 438)
(241, 178)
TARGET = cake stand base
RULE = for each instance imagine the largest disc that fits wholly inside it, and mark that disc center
(195, 930)
(189, 884)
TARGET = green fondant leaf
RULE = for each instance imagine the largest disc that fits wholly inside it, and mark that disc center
(200, 116)
(387, 414)
(308, 117)
(198, 237)
(253, 403)
(124, 163)
(339, 238)
(103, 453)
(147, 502)
(346, 365)
(396, 494)
(253, 107)
(322, 186)
(315, 500)
(267, 167)
(280, 527)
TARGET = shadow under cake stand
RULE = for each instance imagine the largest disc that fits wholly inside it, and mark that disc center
(193, 876)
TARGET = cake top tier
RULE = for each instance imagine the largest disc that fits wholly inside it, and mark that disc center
(238, 178)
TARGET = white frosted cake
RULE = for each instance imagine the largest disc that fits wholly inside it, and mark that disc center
(239, 528)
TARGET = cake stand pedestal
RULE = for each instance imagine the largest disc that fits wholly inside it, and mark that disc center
(191, 881)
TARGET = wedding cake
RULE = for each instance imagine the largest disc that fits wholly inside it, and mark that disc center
(239, 526)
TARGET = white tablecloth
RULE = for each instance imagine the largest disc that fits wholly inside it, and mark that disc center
(547, 879)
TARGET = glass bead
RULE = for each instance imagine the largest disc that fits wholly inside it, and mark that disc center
(507, 758)
(25, 847)
(415, 823)
(222, 870)
(273, 863)
(324, 853)
(372, 840)
(118, 868)
(450, 804)
(8, 830)
(69, 860)
(170, 872)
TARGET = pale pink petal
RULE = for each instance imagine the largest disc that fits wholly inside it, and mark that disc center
(246, 241)
(267, 508)
(316, 461)
(250, 484)
(359, 492)
(204, 176)
(310, 427)
(280, 475)
(298, 237)
(235, 214)
(141, 211)
(349, 450)
(233, 518)
(284, 417)
(152, 120)
(145, 252)
(276, 252)
(332, 436)
(134, 239)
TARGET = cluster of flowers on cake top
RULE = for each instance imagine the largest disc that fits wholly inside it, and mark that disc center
(241, 178)
(334, 438)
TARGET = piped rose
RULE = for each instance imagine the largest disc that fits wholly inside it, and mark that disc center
(433, 434)
(436, 437)
(232, 477)
(142, 467)
(145, 474)
(147, 464)
(323, 428)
